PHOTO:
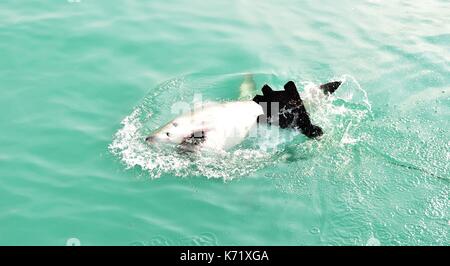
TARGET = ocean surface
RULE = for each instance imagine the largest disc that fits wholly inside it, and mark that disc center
(83, 82)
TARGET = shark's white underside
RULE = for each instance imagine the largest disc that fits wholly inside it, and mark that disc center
(222, 125)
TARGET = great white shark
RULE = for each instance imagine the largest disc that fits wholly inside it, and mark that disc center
(221, 126)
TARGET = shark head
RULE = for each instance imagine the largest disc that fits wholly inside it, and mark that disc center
(173, 132)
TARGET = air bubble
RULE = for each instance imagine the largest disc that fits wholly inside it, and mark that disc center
(314, 230)
(412, 211)
(373, 242)
(73, 242)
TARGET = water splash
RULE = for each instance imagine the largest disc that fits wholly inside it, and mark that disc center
(269, 146)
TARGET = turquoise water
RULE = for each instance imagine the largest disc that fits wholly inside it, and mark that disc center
(83, 81)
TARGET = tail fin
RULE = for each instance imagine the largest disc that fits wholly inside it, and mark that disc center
(330, 87)
(291, 112)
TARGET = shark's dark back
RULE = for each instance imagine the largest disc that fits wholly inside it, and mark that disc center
(286, 109)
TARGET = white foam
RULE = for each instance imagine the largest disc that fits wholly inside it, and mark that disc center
(338, 121)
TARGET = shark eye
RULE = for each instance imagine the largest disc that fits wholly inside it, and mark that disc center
(168, 134)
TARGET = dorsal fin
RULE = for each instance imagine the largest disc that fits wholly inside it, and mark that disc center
(266, 90)
(291, 89)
